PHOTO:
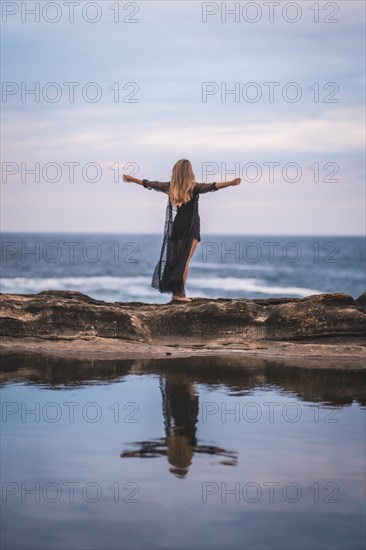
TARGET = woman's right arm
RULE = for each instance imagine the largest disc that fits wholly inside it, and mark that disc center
(206, 187)
(222, 184)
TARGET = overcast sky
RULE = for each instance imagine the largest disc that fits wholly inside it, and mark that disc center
(171, 63)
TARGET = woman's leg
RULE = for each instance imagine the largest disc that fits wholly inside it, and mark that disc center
(185, 274)
(193, 248)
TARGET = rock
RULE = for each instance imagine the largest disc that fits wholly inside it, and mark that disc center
(58, 314)
(72, 316)
(316, 316)
(361, 301)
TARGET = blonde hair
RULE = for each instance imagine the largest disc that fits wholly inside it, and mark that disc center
(179, 453)
(181, 183)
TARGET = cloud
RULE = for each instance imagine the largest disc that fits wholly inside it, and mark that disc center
(99, 131)
(169, 53)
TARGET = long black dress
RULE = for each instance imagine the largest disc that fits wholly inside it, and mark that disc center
(182, 226)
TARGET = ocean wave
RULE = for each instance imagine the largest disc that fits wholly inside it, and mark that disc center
(250, 285)
(134, 286)
(141, 285)
(227, 266)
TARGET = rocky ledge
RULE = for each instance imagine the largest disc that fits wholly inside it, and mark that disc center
(68, 322)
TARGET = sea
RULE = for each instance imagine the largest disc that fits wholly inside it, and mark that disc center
(119, 267)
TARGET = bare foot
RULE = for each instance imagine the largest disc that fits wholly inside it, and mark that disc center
(180, 299)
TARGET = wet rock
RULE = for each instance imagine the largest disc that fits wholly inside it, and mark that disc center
(69, 315)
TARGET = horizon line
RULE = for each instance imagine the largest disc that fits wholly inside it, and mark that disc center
(160, 233)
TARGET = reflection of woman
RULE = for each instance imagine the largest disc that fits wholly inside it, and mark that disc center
(182, 226)
(180, 405)
(180, 412)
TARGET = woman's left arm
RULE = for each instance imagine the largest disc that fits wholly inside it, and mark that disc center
(131, 179)
(157, 185)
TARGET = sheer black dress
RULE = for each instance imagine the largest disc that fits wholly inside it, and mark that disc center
(182, 226)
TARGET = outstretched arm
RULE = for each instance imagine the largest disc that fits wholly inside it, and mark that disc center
(206, 187)
(157, 185)
(222, 184)
(131, 179)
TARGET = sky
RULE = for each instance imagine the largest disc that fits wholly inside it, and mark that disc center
(272, 92)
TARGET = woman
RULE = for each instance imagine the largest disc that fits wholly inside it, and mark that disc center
(182, 226)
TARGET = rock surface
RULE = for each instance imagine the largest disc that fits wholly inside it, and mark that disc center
(65, 322)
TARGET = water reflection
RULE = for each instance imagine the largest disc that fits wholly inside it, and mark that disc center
(180, 414)
(239, 375)
(171, 395)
